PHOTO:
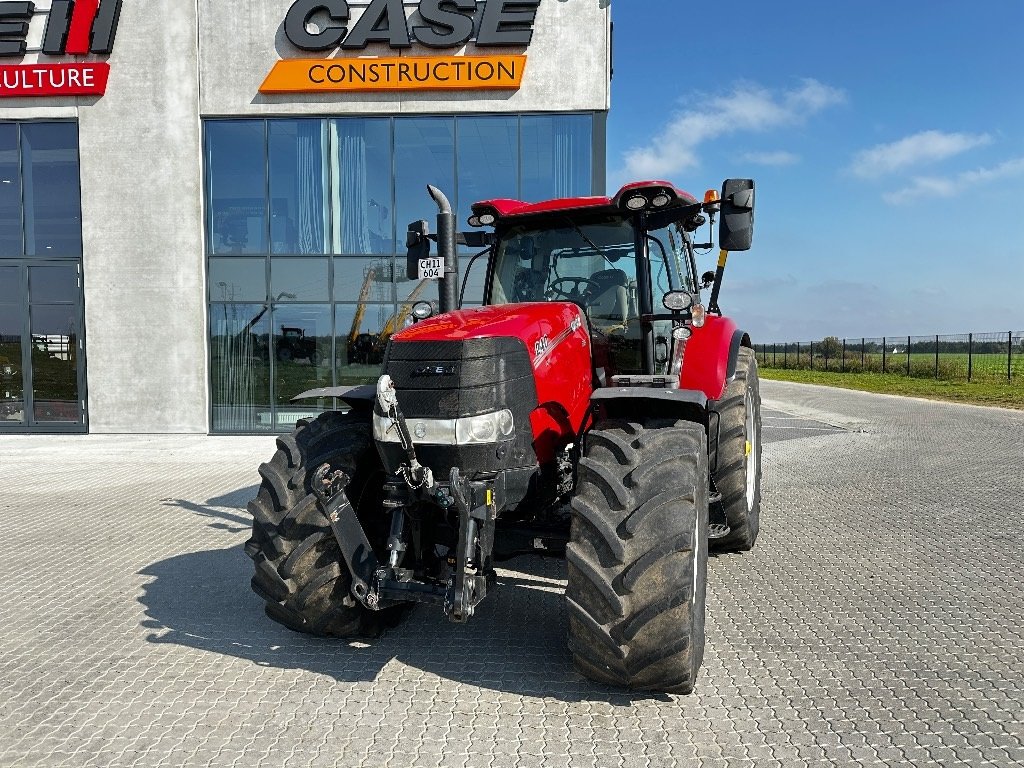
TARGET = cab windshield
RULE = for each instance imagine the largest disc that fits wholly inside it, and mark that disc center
(591, 262)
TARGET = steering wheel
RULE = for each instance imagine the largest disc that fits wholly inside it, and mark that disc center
(575, 295)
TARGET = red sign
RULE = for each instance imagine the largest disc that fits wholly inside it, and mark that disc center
(77, 79)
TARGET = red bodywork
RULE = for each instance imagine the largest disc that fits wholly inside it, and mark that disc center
(558, 342)
(706, 360)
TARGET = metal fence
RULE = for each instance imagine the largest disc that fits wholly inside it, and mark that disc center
(959, 357)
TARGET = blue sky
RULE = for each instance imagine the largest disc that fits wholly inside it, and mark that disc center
(886, 140)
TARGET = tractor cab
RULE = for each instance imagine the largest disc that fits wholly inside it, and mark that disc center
(591, 260)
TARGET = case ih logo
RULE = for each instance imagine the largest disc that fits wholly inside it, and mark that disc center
(327, 25)
(73, 28)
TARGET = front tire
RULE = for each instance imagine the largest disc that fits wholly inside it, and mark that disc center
(738, 476)
(300, 572)
(638, 555)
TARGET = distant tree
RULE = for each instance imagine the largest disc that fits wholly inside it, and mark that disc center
(830, 347)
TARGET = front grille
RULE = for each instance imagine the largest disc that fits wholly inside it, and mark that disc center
(455, 379)
(451, 379)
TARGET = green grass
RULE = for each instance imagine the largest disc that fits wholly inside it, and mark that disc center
(1004, 394)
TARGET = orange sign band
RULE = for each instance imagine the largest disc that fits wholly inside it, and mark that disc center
(405, 73)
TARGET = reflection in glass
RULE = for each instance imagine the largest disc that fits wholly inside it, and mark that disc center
(362, 335)
(302, 351)
(240, 367)
(238, 280)
(54, 335)
(365, 279)
(424, 154)
(299, 279)
(488, 161)
(237, 192)
(59, 283)
(10, 284)
(557, 156)
(361, 173)
(10, 192)
(298, 184)
(53, 210)
(12, 384)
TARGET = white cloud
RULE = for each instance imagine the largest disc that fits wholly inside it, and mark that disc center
(749, 107)
(779, 158)
(935, 186)
(920, 148)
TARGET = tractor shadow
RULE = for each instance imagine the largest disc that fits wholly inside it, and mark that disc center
(515, 643)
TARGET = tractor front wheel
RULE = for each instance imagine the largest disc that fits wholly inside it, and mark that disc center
(300, 572)
(638, 555)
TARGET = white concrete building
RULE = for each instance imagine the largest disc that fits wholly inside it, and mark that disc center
(205, 201)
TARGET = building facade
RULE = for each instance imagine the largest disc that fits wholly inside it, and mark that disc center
(203, 206)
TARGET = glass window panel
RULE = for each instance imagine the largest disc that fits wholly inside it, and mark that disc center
(59, 283)
(240, 367)
(12, 384)
(238, 279)
(302, 349)
(298, 185)
(236, 165)
(361, 339)
(474, 289)
(49, 168)
(488, 161)
(362, 177)
(10, 192)
(10, 284)
(557, 155)
(299, 279)
(424, 154)
(54, 333)
(411, 291)
(366, 279)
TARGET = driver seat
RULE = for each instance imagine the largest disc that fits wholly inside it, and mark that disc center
(609, 300)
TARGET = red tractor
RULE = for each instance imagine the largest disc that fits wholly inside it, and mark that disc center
(592, 408)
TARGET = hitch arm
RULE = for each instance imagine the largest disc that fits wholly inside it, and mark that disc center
(355, 547)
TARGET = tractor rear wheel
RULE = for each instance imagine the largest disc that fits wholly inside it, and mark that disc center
(300, 572)
(738, 476)
(638, 555)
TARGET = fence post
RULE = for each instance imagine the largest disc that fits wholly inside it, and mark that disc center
(785, 356)
(775, 349)
(1009, 356)
(936, 357)
(883, 354)
(862, 355)
(970, 355)
(908, 357)
(798, 355)
(812, 355)
(842, 365)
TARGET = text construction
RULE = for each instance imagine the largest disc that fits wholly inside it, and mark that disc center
(405, 73)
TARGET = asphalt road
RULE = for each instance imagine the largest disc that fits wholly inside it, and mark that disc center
(878, 622)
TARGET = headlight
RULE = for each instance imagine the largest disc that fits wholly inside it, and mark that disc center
(486, 428)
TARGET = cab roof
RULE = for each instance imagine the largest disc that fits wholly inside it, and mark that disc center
(507, 208)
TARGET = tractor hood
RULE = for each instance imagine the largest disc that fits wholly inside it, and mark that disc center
(541, 326)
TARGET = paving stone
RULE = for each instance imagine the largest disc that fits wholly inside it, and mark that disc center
(877, 622)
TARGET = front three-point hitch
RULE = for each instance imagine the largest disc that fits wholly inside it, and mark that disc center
(377, 584)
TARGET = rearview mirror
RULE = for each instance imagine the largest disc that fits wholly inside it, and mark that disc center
(736, 227)
(418, 245)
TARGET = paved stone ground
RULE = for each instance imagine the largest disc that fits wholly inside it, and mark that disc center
(878, 621)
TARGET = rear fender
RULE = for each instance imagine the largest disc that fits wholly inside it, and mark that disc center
(709, 361)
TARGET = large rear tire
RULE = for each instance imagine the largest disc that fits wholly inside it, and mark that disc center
(638, 555)
(300, 572)
(738, 476)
